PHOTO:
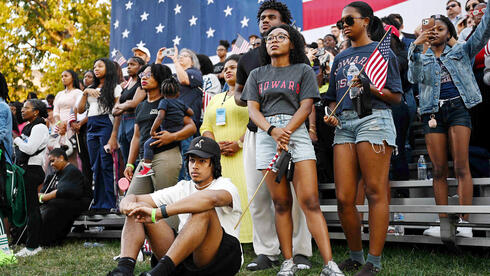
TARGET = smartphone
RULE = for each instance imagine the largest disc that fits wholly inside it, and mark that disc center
(169, 52)
(428, 23)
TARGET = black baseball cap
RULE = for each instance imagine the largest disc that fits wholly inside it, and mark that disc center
(204, 147)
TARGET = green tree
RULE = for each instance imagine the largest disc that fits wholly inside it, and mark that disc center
(50, 36)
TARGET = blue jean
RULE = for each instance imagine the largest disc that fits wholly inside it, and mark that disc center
(184, 145)
(99, 130)
(452, 113)
(147, 150)
(126, 129)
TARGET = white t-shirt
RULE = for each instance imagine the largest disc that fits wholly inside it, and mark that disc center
(227, 215)
(94, 109)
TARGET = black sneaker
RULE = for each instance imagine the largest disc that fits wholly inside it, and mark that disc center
(368, 270)
(350, 265)
(117, 272)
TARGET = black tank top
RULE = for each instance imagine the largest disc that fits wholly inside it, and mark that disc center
(128, 94)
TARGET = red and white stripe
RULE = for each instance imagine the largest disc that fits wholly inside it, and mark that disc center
(377, 70)
(487, 49)
(241, 46)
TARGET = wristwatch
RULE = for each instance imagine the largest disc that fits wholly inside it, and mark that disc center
(240, 143)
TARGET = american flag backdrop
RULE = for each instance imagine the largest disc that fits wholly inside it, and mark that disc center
(194, 24)
(377, 64)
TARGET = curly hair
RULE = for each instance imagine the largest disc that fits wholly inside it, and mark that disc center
(296, 55)
(224, 43)
(39, 106)
(278, 6)
(106, 99)
(170, 87)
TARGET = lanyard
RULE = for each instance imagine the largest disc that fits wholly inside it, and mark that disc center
(225, 98)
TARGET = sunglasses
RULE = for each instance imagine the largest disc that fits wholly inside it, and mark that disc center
(477, 12)
(450, 6)
(471, 7)
(348, 20)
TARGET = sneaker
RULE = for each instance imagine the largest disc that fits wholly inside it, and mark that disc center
(146, 171)
(331, 269)
(28, 252)
(391, 230)
(350, 265)
(368, 270)
(117, 272)
(261, 262)
(288, 268)
(302, 262)
(465, 232)
(433, 231)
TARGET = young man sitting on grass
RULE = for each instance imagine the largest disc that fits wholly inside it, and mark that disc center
(208, 207)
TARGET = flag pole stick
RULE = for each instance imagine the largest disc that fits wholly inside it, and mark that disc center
(258, 187)
(360, 72)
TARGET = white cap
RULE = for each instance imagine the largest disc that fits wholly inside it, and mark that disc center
(142, 49)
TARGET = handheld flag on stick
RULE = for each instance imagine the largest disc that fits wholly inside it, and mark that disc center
(119, 58)
(376, 67)
(241, 46)
(258, 187)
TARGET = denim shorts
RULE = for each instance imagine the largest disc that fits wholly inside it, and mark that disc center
(300, 145)
(453, 112)
(375, 128)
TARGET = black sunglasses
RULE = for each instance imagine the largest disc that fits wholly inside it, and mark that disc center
(348, 20)
(451, 6)
(471, 7)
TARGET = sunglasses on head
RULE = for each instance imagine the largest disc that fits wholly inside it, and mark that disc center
(348, 20)
(471, 7)
(477, 12)
(451, 6)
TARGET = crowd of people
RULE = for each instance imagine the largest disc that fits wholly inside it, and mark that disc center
(195, 144)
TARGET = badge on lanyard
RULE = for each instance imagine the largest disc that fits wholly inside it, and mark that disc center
(220, 116)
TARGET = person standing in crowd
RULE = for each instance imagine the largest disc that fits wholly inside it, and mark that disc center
(6, 117)
(17, 122)
(31, 150)
(336, 32)
(190, 78)
(226, 122)
(64, 196)
(331, 43)
(101, 136)
(142, 52)
(445, 107)
(49, 100)
(265, 242)
(208, 208)
(211, 86)
(453, 11)
(221, 52)
(126, 111)
(64, 105)
(362, 145)
(167, 160)
(280, 96)
(470, 7)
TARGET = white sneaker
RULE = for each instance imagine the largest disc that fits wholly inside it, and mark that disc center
(331, 269)
(433, 231)
(26, 252)
(465, 232)
(288, 268)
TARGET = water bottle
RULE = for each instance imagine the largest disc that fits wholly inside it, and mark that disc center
(422, 168)
(351, 73)
(399, 229)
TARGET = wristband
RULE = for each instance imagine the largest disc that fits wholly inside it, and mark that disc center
(41, 198)
(57, 123)
(163, 208)
(153, 215)
(240, 143)
(312, 131)
(269, 131)
(130, 165)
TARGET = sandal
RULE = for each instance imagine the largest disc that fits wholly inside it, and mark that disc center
(261, 262)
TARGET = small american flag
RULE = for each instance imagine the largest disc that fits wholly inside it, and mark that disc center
(487, 49)
(241, 46)
(72, 118)
(377, 64)
(119, 58)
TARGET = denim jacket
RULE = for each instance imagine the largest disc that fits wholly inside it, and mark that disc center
(6, 130)
(425, 70)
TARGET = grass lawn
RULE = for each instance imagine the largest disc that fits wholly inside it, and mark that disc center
(399, 259)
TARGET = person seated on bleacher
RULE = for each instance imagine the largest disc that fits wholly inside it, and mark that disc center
(64, 196)
(208, 207)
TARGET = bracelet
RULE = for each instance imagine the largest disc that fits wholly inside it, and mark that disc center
(41, 198)
(130, 165)
(312, 130)
(269, 131)
(163, 208)
(153, 215)
(240, 143)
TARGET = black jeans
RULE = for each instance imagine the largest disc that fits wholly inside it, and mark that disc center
(33, 177)
(83, 154)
